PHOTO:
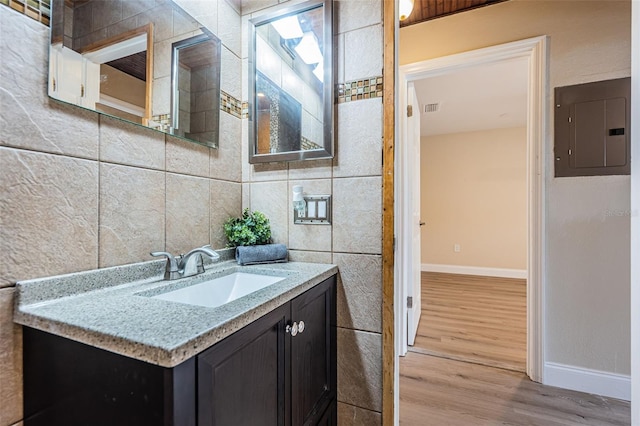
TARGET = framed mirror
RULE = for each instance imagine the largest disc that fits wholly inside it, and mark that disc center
(123, 58)
(291, 88)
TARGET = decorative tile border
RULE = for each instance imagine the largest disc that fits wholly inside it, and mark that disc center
(308, 144)
(231, 105)
(161, 122)
(40, 10)
(245, 109)
(350, 91)
(360, 89)
(228, 104)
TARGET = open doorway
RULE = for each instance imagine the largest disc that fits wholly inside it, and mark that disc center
(532, 52)
(473, 192)
(124, 79)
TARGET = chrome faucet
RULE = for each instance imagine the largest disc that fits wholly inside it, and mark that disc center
(188, 264)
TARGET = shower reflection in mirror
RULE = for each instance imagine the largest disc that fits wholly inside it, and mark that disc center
(290, 84)
(279, 118)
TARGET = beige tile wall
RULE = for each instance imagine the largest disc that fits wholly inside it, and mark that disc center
(97, 178)
(10, 361)
(80, 191)
(353, 178)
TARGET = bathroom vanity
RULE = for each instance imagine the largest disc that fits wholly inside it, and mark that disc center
(101, 348)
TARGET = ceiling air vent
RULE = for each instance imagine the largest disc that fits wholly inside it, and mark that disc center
(431, 107)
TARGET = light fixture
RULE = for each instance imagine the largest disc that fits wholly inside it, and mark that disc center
(288, 27)
(405, 7)
(308, 49)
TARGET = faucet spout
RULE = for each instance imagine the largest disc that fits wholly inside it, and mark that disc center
(192, 264)
(188, 264)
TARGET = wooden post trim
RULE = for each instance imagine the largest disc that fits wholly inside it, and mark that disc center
(388, 341)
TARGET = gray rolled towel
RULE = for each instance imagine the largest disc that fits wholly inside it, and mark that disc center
(264, 253)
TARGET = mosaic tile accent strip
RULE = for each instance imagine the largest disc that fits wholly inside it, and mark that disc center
(308, 144)
(231, 105)
(360, 89)
(40, 10)
(161, 122)
(245, 109)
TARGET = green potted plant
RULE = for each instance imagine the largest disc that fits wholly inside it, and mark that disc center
(252, 228)
(250, 234)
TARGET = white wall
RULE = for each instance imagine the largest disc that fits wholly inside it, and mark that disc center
(588, 258)
(474, 193)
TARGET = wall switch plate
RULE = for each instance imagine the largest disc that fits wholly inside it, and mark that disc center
(318, 211)
(456, 248)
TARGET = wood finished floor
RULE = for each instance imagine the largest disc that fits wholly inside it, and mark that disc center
(444, 392)
(469, 326)
(473, 318)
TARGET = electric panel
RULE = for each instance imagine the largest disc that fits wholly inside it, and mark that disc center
(592, 129)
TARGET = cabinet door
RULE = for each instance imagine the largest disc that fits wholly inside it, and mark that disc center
(330, 416)
(313, 353)
(244, 379)
(67, 383)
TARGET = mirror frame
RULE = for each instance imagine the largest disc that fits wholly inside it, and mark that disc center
(328, 95)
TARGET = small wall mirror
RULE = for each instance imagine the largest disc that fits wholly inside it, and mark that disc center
(291, 95)
(115, 57)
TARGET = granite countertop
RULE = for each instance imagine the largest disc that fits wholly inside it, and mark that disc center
(112, 309)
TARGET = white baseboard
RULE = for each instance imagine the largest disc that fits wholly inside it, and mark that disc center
(590, 381)
(475, 270)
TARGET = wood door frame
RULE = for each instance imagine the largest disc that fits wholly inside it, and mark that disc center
(111, 42)
(390, 362)
(635, 214)
(535, 50)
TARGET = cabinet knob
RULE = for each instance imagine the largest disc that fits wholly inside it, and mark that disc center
(300, 326)
(293, 329)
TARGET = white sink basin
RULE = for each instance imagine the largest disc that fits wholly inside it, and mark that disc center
(220, 290)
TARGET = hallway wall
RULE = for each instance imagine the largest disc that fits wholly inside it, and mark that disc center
(474, 193)
(587, 218)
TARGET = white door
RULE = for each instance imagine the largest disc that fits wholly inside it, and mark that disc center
(413, 189)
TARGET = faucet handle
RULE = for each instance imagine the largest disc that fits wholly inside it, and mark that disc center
(172, 264)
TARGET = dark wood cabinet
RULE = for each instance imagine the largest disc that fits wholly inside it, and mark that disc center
(70, 383)
(278, 370)
(313, 354)
(330, 416)
(244, 379)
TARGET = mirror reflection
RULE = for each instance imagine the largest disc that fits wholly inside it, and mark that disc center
(196, 81)
(291, 88)
(115, 57)
(279, 118)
